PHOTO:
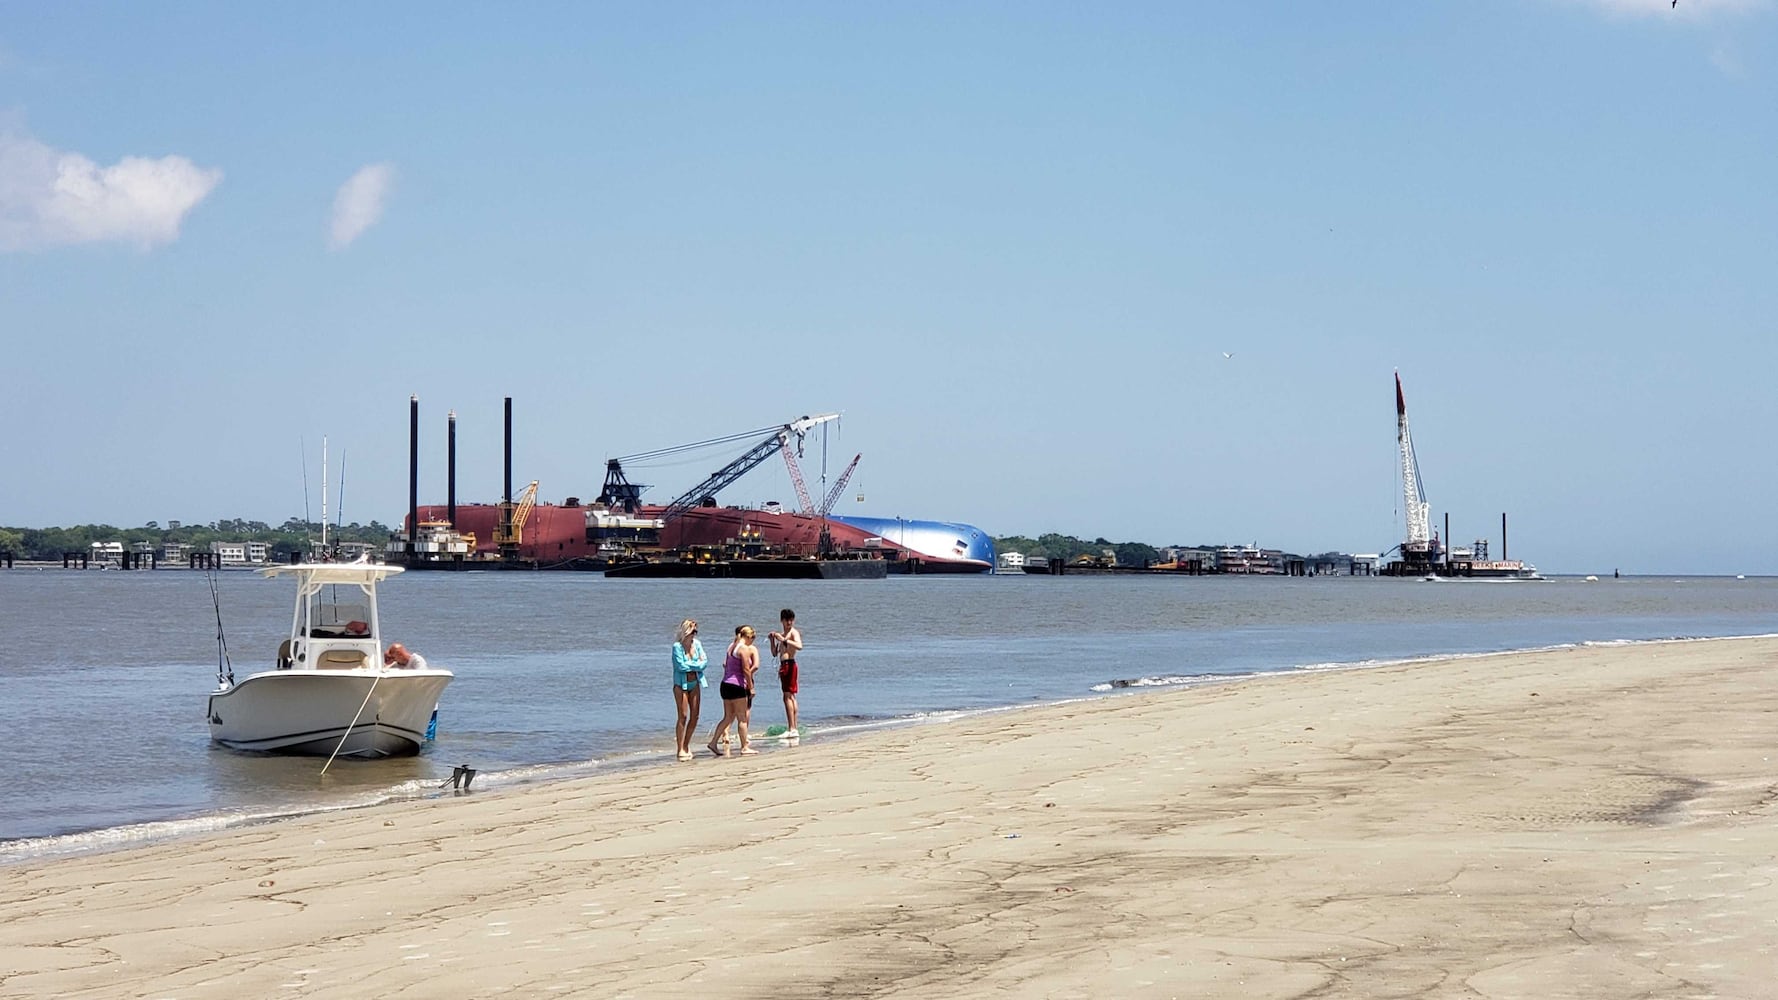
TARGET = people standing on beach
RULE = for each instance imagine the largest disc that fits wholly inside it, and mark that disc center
(785, 646)
(689, 662)
(738, 668)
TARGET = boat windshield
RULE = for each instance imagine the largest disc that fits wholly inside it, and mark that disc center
(331, 620)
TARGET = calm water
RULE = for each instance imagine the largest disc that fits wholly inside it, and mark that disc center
(103, 675)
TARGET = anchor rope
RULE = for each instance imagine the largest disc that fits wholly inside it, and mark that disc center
(353, 724)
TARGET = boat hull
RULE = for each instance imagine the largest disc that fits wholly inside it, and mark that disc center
(359, 713)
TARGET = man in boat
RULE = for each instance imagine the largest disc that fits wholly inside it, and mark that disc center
(397, 655)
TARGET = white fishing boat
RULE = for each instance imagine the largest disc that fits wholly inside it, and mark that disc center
(328, 692)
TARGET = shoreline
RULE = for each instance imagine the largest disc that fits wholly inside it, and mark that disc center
(150, 833)
(1588, 821)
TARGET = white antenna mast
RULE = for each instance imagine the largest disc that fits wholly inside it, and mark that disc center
(324, 495)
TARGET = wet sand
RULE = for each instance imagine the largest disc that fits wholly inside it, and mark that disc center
(1597, 822)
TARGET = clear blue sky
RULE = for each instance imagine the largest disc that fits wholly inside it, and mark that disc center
(1011, 242)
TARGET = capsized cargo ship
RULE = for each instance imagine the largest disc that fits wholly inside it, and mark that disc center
(573, 535)
(618, 525)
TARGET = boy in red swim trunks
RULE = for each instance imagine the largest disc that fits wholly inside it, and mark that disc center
(785, 646)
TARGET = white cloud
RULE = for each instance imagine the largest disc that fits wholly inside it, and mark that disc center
(359, 203)
(1690, 9)
(50, 198)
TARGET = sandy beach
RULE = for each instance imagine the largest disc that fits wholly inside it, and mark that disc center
(1594, 822)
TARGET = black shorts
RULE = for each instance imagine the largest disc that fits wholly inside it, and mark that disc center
(730, 692)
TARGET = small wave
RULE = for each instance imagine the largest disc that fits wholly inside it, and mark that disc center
(1167, 680)
(1676, 638)
(1187, 680)
(1400, 661)
(527, 774)
(846, 725)
(143, 834)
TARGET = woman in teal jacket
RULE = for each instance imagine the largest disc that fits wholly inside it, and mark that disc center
(689, 662)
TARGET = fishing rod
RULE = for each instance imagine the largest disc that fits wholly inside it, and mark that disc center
(222, 659)
(339, 514)
(307, 541)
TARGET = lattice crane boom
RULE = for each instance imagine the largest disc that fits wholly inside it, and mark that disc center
(776, 441)
(527, 500)
(804, 504)
(511, 532)
(1414, 505)
(839, 486)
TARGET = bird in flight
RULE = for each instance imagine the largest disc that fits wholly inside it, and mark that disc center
(1227, 354)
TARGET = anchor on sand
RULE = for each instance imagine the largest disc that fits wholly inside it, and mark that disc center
(461, 776)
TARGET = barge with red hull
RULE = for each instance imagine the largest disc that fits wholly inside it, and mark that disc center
(558, 536)
(618, 529)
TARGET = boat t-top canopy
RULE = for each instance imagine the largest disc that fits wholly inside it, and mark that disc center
(352, 573)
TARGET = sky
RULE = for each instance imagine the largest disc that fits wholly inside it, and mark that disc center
(1140, 271)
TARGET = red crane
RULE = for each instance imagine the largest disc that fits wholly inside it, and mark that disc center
(839, 486)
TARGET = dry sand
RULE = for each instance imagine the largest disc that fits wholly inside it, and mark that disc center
(1596, 822)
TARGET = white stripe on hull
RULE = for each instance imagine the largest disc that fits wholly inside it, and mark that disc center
(308, 711)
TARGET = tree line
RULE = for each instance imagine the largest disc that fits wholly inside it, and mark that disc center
(1069, 548)
(294, 535)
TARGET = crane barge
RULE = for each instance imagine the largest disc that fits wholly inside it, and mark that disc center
(618, 527)
(1423, 553)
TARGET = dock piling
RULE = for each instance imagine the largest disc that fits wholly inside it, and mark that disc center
(413, 473)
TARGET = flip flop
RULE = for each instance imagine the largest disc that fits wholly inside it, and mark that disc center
(744, 751)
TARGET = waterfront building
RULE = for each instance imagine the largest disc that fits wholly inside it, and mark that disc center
(1249, 559)
(106, 552)
(229, 553)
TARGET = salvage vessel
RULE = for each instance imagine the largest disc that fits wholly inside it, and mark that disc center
(618, 528)
(1423, 553)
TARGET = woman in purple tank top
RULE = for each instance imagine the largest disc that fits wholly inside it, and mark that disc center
(738, 667)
